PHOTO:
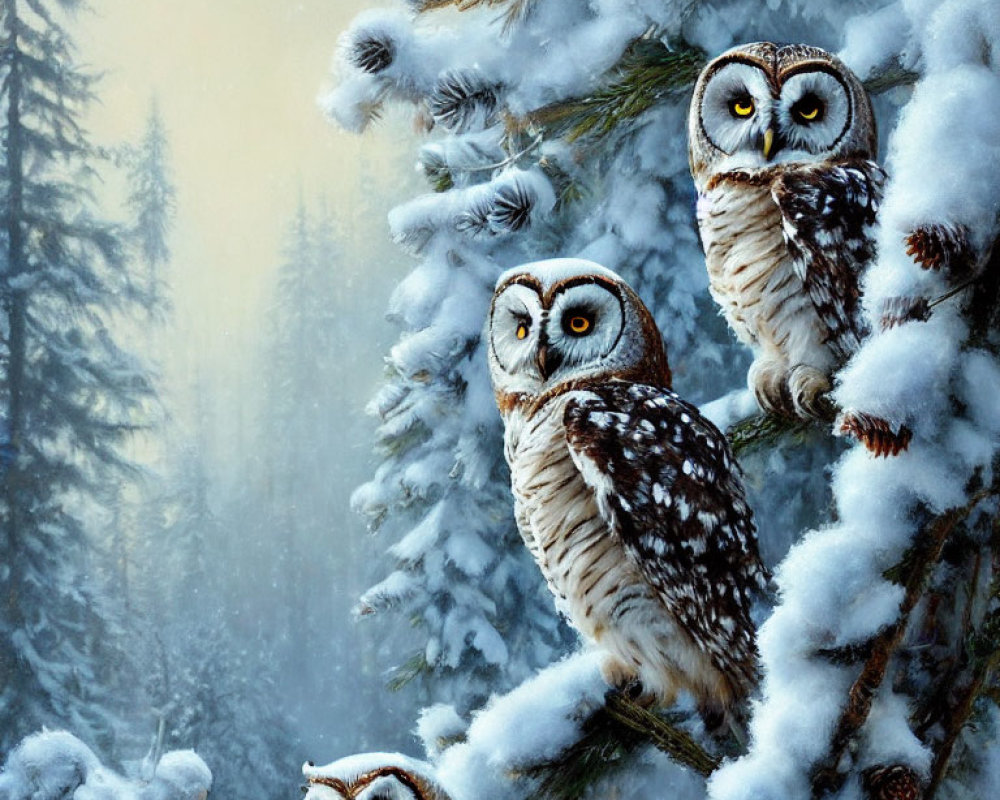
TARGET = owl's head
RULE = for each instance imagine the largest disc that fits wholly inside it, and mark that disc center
(760, 104)
(373, 776)
(566, 322)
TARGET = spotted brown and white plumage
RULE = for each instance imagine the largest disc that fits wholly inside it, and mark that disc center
(781, 142)
(672, 493)
(629, 500)
(828, 214)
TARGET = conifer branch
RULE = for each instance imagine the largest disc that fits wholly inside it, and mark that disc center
(611, 734)
(828, 776)
(676, 743)
(890, 76)
(985, 651)
(407, 672)
(766, 430)
(648, 72)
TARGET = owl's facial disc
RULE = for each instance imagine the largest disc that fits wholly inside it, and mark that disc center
(736, 109)
(515, 329)
(539, 339)
(813, 112)
(584, 325)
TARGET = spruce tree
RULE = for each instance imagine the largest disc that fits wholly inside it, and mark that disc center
(152, 203)
(70, 395)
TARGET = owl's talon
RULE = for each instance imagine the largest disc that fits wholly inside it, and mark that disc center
(766, 379)
(808, 387)
(619, 675)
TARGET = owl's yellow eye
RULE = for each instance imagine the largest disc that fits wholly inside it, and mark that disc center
(808, 109)
(522, 330)
(741, 106)
(578, 324)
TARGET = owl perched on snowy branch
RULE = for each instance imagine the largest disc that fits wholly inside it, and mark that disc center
(629, 499)
(781, 142)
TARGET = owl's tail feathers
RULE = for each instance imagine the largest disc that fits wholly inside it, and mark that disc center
(876, 434)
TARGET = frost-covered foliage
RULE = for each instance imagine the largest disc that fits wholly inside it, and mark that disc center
(542, 141)
(510, 187)
(940, 379)
(55, 765)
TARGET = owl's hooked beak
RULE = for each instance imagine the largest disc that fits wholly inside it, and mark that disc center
(547, 361)
(768, 143)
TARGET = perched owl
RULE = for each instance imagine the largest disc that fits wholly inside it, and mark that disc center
(781, 142)
(373, 776)
(629, 500)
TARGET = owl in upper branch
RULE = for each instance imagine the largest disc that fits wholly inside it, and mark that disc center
(781, 144)
(630, 501)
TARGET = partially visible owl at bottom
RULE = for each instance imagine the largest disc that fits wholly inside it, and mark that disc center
(629, 500)
(781, 141)
(373, 776)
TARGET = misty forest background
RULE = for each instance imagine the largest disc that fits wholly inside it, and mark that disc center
(184, 560)
(178, 556)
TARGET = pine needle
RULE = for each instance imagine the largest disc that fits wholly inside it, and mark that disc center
(407, 672)
(611, 736)
(516, 11)
(675, 742)
(647, 73)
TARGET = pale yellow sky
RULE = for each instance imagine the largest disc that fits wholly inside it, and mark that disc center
(237, 82)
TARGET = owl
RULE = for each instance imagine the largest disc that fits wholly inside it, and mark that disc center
(781, 141)
(373, 776)
(628, 498)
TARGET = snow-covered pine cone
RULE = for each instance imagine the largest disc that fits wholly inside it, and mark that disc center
(462, 100)
(892, 782)
(875, 433)
(941, 247)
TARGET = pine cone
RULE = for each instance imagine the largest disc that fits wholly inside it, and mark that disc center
(943, 246)
(892, 782)
(874, 433)
(897, 310)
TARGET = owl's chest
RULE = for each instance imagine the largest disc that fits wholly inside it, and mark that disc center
(557, 513)
(751, 272)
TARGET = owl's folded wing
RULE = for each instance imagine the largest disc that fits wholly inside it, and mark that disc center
(828, 212)
(668, 486)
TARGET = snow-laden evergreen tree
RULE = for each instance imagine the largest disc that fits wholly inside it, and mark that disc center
(557, 127)
(69, 395)
(303, 441)
(525, 163)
